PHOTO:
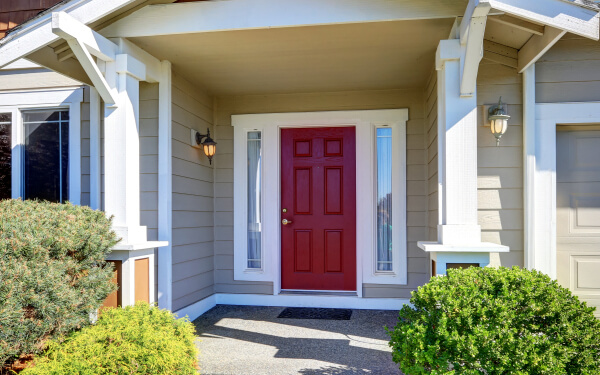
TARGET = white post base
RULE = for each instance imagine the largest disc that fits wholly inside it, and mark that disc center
(128, 254)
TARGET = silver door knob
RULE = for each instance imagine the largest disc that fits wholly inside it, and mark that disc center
(286, 221)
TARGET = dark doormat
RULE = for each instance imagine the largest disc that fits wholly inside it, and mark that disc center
(315, 313)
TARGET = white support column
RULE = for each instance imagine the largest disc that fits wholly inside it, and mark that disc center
(122, 149)
(457, 142)
(165, 213)
(529, 160)
(459, 235)
(116, 75)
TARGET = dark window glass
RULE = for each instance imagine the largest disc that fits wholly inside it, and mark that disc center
(5, 155)
(46, 155)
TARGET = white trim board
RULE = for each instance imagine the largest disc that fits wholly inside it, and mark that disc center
(165, 188)
(197, 309)
(541, 186)
(209, 16)
(365, 123)
(15, 102)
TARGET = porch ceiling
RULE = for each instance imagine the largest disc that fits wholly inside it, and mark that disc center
(378, 55)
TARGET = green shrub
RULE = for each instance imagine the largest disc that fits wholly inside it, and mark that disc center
(138, 339)
(52, 271)
(496, 321)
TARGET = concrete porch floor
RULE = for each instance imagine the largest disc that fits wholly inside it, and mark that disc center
(247, 340)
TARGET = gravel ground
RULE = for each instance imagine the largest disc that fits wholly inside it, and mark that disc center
(248, 340)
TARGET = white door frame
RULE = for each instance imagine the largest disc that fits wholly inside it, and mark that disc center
(542, 187)
(365, 123)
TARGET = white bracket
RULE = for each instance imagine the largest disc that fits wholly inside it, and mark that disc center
(537, 46)
(85, 42)
(471, 33)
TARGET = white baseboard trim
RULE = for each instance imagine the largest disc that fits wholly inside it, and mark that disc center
(195, 310)
(343, 302)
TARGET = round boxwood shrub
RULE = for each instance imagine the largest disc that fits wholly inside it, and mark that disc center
(496, 321)
(52, 272)
(140, 339)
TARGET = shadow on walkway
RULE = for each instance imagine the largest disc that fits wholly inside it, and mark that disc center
(248, 340)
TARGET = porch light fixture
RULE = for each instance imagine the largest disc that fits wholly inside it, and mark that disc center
(498, 120)
(209, 146)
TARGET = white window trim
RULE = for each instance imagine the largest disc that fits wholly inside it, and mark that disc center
(365, 123)
(541, 212)
(16, 102)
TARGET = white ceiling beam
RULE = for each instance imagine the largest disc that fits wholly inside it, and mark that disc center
(62, 47)
(206, 16)
(518, 23)
(471, 38)
(69, 28)
(67, 54)
(153, 65)
(500, 54)
(37, 34)
(559, 14)
(537, 46)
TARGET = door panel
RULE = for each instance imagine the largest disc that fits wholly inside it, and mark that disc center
(578, 213)
(318, 192)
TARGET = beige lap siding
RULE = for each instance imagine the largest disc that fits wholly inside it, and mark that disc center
(35, 79)
(418, 268)
(500, 169)
(569, 71)
(193, 196)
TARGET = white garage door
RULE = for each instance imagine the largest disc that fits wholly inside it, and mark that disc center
(578, 213)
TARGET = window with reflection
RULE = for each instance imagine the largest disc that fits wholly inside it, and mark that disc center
(46, 161)
(254, 202)
(5, 155)
(384, 199)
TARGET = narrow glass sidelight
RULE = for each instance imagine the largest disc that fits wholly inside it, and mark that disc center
(254, 202)
(5, 155)
(384, 199)
(46, 172)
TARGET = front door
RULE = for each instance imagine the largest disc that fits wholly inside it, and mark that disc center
(578, 214)
(318, 203)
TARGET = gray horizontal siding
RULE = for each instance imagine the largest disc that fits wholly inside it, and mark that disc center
(192, 198)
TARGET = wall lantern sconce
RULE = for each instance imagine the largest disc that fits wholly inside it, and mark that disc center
(498, 120)
(209, 146)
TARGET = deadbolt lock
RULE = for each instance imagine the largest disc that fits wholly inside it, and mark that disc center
(284, 210)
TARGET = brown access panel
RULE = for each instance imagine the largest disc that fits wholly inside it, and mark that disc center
(142, 280)
(433, 268)
(450, 266)
(114, 299)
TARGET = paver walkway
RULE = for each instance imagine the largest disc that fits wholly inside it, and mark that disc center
(247, 340)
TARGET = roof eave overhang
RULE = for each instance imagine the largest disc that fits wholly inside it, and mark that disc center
(575, 17)
(36, 33)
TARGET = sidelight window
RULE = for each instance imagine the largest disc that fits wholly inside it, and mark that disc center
(384, 200)
(254, 151)
(46, 159)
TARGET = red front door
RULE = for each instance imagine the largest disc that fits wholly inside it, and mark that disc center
(318, 196)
